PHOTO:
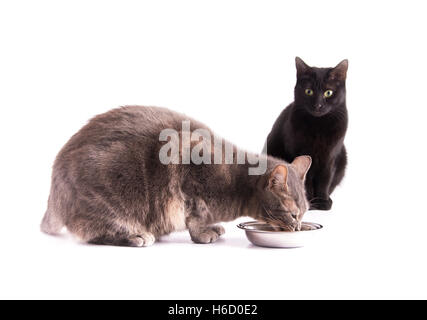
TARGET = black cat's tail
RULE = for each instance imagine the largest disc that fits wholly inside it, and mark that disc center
(51, 224)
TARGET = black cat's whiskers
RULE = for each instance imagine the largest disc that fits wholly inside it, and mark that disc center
(338, 114)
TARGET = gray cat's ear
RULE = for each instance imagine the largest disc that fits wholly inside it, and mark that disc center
(340, 71)
(278, 178)
(302, 67)
(302, 165)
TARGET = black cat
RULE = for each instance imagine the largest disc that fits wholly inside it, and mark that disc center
(315, 124)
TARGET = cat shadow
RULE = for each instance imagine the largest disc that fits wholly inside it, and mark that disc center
(176, 239)
(236, 242)
(245, 244)
(239, 243)
(63, 236)
(182, 238)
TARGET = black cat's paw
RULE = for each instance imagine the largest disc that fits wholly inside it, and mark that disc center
(321, 204)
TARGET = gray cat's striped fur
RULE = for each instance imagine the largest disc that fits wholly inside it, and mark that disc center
(109, 187)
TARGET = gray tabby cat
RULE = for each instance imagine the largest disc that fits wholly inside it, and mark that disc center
(109, 186)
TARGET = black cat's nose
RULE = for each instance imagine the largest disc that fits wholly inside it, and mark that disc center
(318, 106)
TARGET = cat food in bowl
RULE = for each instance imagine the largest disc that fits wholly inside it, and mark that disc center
(265, 235)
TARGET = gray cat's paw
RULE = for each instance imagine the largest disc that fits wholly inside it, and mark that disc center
(218, 229)
(208, 235)
(142, 240)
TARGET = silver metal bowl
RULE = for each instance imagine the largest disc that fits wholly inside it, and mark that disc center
(265, 235)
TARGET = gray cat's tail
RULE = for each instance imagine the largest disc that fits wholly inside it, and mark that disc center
(51, 223)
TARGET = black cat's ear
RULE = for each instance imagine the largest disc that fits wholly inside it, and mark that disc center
(302, 67)
(302, 165)
(278, 178)
(340, 71)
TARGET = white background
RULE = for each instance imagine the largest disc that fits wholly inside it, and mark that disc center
(229, 64)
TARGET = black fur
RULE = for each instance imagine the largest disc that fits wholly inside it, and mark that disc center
(316, 126)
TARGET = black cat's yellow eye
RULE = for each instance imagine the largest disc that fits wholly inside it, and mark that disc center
(309, 92)
(328, 93)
